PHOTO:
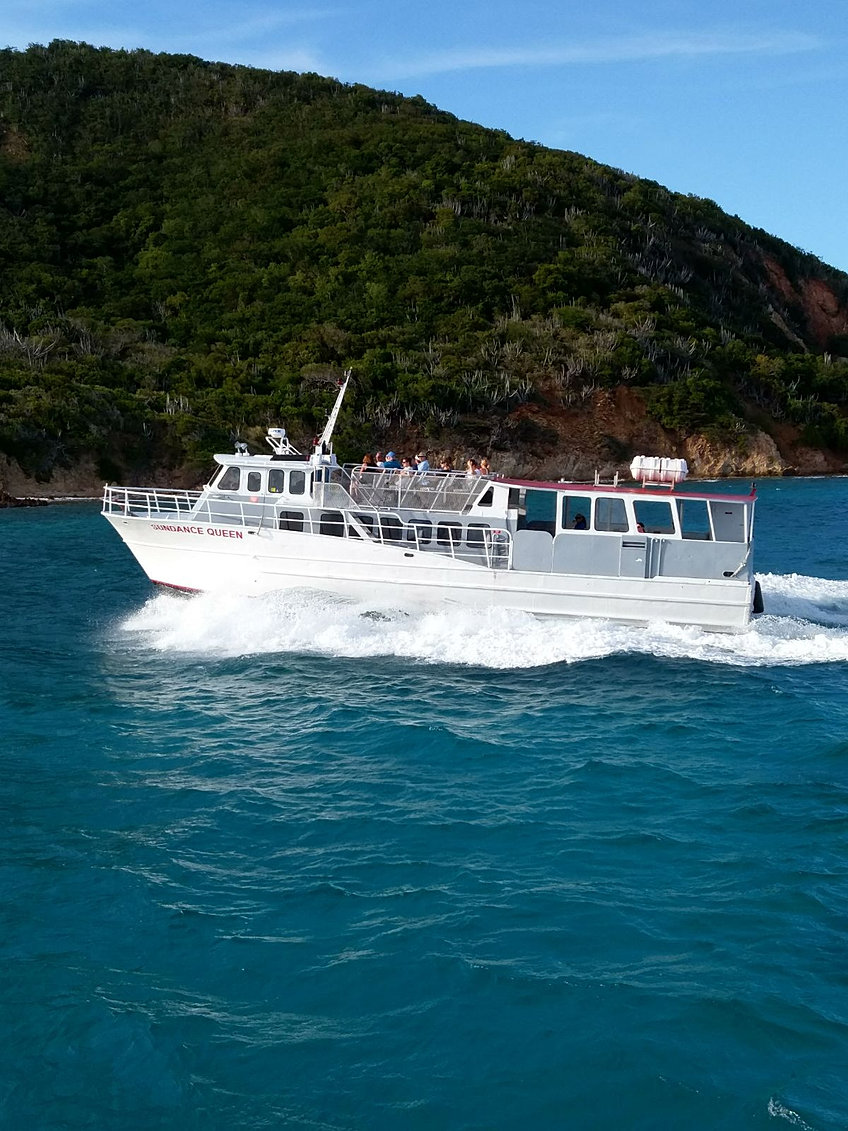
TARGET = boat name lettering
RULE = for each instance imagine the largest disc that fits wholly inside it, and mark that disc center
(197, 530)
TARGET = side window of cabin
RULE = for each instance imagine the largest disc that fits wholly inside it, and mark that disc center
(254, 481)
(475, 535)
(391, 528)
(654, 516)
(449, 533)
(230, 480)
(276, 481)
(291, 520)
(297, 482)
(366, 520)
(486, 498)
(540, 510)
(728, 520)
(419, 532)
(332, 523)
(610, 514)
(694, 518)
(576, 512)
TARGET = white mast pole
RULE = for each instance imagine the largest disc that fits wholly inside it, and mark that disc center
(333, 417)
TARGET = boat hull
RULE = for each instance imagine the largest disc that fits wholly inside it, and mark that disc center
(221, 559)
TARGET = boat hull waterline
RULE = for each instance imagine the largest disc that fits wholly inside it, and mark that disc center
(264, 561)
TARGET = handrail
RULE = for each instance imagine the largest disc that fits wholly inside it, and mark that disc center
(129, 500)
(417, 490)
(159, 503)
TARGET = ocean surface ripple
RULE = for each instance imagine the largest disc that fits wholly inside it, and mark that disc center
(299, 862)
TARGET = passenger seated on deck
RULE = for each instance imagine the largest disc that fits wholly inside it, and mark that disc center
(368, 463)
(392, 461)
(579, 522)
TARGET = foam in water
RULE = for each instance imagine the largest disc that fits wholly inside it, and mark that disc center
(779, 1111)
(807, 622)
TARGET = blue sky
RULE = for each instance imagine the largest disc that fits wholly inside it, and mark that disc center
(741, 102)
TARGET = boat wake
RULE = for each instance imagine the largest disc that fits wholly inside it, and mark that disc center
(806, 622)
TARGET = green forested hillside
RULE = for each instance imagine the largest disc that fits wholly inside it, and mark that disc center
(188, 248)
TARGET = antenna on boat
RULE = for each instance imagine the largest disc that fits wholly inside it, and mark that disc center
(281, 445)
(322, 444)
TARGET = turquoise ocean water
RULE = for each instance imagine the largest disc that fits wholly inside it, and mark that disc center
(283, 863)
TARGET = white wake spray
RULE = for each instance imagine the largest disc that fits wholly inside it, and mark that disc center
(806, 622)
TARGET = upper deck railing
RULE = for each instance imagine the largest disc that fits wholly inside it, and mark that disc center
(343, 488)
(392, 489)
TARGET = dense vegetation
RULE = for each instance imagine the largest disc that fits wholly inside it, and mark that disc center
(189, 248)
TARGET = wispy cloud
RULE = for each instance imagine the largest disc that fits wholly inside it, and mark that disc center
(262, 24)
(632, 49)
(219, 32)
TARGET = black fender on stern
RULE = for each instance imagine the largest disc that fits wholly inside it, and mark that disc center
(758, 606)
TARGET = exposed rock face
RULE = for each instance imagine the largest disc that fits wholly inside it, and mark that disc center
(824, 315)
(80, 481)
(759, 457)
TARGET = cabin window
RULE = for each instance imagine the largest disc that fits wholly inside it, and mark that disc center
(653, 516)
(487, 498)
(254, 482)
(540, 510)
(291, 520)
(449, 533)
(576, 512)
(230, 480)
(475, 535)
(297, 482)
(420, 531)
(276, 481)
(332, 523)
(694, 518)
(610, 514)
(365, 520)
(391, 527)
(728, 521)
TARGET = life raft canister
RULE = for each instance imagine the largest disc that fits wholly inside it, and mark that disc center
(658, 469)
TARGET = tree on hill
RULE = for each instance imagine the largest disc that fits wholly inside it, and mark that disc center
(185, 244)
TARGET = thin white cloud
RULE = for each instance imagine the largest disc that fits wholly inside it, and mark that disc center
(218, 32)
(263, 24)
(633, 49)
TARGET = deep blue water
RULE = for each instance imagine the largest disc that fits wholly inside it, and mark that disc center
(279, 863)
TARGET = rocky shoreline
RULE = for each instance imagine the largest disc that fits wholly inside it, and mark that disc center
(534, 441)
(7, 500)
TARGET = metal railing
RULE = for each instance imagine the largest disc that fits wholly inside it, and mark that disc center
(165, 505)
(149, 502)
(387, 488)
(383, 525)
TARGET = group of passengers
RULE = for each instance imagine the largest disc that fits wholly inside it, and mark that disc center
(419, 464)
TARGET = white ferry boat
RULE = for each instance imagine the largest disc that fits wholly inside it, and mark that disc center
(633, 554)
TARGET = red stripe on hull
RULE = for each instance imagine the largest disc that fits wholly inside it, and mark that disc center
(174, 588)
